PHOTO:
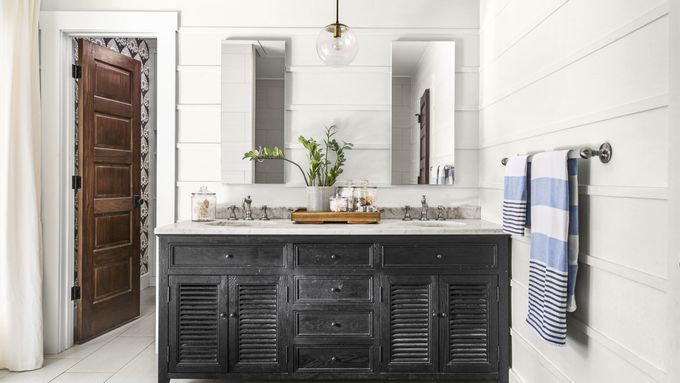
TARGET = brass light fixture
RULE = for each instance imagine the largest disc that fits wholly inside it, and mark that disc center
(337, 45)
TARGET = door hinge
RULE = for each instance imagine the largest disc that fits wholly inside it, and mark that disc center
(75, 293)
(76, 71)
(287, 297)
(382, 289)
(498, 354)
(76, 182)
(167, 354)
(498, 293)
(380, 355)
(168, 297)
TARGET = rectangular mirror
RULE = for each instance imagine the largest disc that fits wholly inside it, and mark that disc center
(423, 112)
(252, 111)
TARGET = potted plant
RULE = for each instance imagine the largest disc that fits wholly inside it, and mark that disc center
(325, 161)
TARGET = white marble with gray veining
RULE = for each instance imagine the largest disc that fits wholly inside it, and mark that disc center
(449, 212)
(287, 227)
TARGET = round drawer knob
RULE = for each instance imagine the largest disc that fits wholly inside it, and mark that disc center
(228, 256)
(434, 315)
(335, 324)
(334, 359)
(335, 289)
(439, 256)
(223, 315)
(443, 315)
(334, 257)
(232, 315)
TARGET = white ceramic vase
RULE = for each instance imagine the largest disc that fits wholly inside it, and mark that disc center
(318, 198)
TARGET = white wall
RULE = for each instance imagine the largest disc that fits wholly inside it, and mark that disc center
(204, 24)
(566, 73)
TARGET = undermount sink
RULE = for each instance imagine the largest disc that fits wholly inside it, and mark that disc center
(433, 223)
(240, 223)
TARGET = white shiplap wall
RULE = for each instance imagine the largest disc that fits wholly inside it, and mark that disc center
(362, 102)
(566, 73)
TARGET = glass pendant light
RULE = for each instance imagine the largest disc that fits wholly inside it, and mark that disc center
(337, 45)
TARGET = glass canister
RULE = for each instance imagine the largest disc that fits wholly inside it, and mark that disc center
(339, 204)
(203, 205)
(346, 191)
(365, 197)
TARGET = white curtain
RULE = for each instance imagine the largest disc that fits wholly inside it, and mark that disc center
(21, 329)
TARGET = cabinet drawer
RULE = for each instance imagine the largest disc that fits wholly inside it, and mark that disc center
(329, 289)
(334, 323)
(334, 255)
(329, 358)
(465, 256)
(227, 256)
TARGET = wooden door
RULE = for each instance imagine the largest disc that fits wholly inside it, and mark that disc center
(257, 322)
(469, 323)
(408, 323)
(198, 316)
(109, 218)
(424, 148)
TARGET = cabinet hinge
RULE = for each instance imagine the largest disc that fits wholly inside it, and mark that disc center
(75, 293)
(287, 298)
(76, 182)
(382, 290)
(76, 71)
(498, 293)
(167, 354)
(380, 355)
(168, 296)
(498, 354)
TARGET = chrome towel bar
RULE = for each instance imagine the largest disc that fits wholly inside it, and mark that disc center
(604, 152)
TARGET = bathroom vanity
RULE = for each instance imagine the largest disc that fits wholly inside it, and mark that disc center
(391, 301)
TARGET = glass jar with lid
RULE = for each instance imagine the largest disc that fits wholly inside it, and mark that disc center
(203, 205)
(365, 196)
(346, 190)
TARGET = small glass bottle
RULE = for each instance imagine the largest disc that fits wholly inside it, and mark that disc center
(203, 205)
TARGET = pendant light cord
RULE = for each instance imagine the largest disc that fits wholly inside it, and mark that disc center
(337, 12)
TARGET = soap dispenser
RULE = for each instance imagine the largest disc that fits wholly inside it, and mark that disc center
(203, 205)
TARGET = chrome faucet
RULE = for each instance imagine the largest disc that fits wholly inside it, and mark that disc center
(407, 213)
(247, 213)
(423, 210)
(441, 213)
(232, 213)
(264, 214)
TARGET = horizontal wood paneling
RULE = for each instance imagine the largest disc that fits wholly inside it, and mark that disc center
(571, 73)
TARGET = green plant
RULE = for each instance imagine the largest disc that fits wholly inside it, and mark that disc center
(325, 159)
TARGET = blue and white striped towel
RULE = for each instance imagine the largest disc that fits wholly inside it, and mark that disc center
(515, 195)
(554, 244)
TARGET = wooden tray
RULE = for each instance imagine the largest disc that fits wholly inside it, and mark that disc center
(303, 216)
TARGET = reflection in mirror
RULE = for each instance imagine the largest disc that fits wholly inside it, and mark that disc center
(423, 112)
(253, 98)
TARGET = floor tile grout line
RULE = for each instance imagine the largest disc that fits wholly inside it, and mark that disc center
(130, 361)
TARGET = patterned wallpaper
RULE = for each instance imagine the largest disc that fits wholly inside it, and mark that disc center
(139, 50)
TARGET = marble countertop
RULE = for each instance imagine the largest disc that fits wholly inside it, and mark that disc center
(287, 227)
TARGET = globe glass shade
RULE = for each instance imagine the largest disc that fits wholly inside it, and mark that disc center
(337, 49)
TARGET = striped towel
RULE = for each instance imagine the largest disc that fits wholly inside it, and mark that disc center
(554, 244)
(515, 195)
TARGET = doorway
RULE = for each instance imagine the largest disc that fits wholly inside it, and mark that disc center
(115, 138)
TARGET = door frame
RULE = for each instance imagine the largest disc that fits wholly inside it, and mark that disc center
(57, 103)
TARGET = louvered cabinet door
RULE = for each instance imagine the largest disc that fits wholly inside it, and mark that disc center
(198, 324)
(256, 326)
(408, 309)
(469, 323)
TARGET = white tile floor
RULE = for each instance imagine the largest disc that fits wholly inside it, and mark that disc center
(124, 355)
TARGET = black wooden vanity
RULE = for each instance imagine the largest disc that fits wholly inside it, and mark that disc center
(347, 307)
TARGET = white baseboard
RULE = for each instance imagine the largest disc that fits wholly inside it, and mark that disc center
(145, 281)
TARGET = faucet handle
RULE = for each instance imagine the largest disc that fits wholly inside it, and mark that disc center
(407, 213)
(232, 213)
(264, 213)
(441, 213)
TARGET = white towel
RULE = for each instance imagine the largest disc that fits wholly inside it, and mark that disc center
(554, 244)
(515, 195)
